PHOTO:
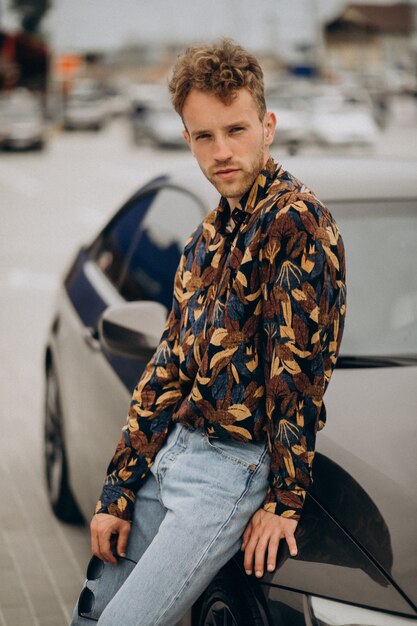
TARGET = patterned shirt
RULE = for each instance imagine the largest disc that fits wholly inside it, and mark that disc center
(250, 343)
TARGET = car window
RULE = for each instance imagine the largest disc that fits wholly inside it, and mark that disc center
(113, 248)
(380, 243)
(149, 274)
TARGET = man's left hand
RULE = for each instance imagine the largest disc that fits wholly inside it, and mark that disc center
(262, 535)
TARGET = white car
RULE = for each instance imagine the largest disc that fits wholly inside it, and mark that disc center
(22, 123)
(293, 120)
(322, 115)
(86, 107)
(153, 118)
(337, 120)
(357, 538)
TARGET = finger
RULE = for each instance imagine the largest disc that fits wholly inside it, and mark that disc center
(249, 553)
(260, 556)
(104, 540)
(246, 535)
(292, 544)
(123, 539)
(93, 536)
(272, 552)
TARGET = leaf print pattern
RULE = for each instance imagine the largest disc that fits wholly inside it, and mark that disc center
(250, 343)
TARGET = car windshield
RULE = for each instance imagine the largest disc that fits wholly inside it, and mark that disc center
(380, 243)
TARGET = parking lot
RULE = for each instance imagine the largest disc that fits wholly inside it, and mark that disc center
(50, 203)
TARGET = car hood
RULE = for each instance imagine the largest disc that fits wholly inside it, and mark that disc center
(365, 471)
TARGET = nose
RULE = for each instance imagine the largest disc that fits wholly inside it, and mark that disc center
(222, 151)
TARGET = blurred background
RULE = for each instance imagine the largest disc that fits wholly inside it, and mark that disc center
(85, 120)
(339, 75)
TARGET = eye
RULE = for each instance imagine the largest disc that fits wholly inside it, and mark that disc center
(236, 129)
(202, 136)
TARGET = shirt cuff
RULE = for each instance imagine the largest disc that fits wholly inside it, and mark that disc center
(117, 503)
(284, 502)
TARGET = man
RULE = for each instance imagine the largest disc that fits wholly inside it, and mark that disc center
(221, 430)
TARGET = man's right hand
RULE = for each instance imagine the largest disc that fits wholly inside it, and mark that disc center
(104, 528)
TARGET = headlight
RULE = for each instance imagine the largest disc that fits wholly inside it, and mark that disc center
(322, 612)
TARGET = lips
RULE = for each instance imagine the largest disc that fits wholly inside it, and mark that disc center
(226, 173)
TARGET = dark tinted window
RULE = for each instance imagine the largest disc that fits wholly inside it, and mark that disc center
(115, 244)
(158, 245)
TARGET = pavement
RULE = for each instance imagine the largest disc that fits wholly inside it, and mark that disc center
(49, 204)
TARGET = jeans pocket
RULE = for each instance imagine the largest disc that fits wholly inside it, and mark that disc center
(245, 453)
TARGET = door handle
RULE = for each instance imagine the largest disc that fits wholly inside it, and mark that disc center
(90, 336)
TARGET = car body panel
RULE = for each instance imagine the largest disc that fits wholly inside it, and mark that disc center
(366, 179)
(331, 564)
(90, 391)
(376, 450)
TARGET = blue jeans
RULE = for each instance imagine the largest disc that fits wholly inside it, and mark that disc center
(189, 518)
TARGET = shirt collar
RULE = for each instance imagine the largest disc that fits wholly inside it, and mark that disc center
(250, 198)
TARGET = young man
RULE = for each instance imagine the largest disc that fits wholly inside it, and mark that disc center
(220, 437)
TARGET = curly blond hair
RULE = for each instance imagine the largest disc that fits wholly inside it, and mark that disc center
(219, 69)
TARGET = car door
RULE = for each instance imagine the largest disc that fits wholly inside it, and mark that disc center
(135, 258)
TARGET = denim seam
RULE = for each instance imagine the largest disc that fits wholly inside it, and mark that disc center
(251, 476)
(232, 458)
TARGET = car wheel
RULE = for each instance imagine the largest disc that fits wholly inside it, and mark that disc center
(59, 493)
(226, 603)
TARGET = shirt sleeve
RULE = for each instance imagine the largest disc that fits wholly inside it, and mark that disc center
(296, 278)
(152, 404)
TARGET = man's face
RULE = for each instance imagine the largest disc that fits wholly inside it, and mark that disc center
(229, 141)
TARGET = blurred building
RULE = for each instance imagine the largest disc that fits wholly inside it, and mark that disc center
(374, 39)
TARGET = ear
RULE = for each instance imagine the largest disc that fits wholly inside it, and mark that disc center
(270, 124)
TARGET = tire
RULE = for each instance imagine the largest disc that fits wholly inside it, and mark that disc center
(56, 471)
(227, 602)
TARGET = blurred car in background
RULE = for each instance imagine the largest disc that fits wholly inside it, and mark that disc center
(165, 127)
(339, 119)
(22, 123)
(293, 114)
(117, 99)
(86, 107)
(357, 541)
(143, 98)
(153, 119)
(323, 115)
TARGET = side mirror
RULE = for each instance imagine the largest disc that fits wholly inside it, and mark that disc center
(132, 329)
